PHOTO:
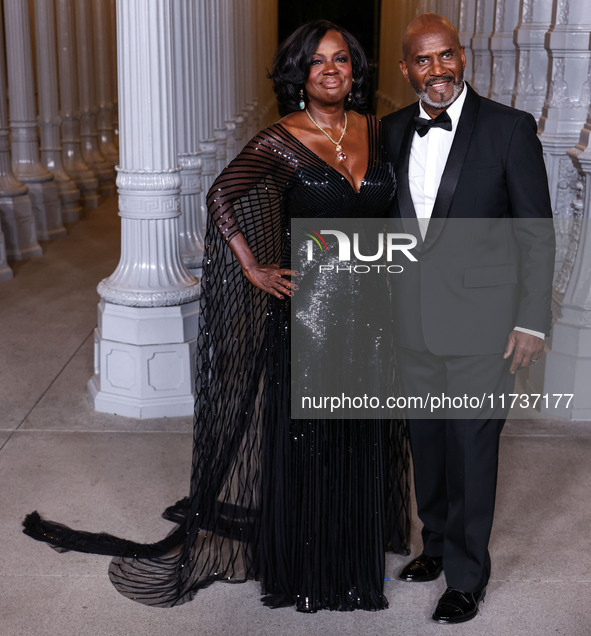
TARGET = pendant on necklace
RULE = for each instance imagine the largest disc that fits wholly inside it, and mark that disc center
(341, 156)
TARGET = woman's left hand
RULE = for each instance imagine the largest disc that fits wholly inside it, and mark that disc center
(271, 278)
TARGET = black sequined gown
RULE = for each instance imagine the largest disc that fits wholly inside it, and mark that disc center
(307, 507)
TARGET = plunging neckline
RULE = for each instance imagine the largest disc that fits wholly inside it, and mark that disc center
(351, 185)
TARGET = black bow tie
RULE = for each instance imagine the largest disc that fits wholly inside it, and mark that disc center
(423, 126)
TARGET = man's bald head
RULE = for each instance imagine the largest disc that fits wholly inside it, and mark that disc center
(424, 24)
(433, 62)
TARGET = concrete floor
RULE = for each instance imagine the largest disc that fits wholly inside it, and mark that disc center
(103, 472)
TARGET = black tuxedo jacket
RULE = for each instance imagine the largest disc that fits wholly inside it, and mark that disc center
(487, 261)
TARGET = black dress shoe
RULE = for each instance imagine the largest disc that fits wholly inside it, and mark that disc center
(423, 568)
(457, 607)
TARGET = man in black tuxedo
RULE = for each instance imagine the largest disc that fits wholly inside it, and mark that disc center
(475, 307)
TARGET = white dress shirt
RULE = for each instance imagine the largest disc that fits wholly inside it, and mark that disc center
(428, 156)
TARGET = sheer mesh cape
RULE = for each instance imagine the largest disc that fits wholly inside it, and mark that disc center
(245, 516)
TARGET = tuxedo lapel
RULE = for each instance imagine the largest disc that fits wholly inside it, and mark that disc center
(455, 160)
(406, 208)
(454, 164)
(405, 204)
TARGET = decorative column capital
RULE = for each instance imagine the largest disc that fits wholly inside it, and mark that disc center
(191, 168)
(148, 194)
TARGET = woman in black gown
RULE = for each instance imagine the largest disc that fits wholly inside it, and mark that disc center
(307, 507)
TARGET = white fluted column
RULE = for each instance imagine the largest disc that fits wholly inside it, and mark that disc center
(230, 53)
(239, 52)
(147, 324)
(188, 98)
(219, 58)
(568, 364)
(482, 64)
(427, 6)
(16, 210)
(449, 9)
(23, 122)
(113, 40)
(248, 100)
(503, 51)
(532, 58)
(272, 11)
(269, 10)
(6, 178)
(258, 67)
(466, 25)
(73, 160)
(206, 63)
(568, 98)
(49, 117)
(104, 65)
(5, 271)
(267, 43)
(86, 47)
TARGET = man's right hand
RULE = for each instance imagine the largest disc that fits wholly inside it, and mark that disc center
(526, 349)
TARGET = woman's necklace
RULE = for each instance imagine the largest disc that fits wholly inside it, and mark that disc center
(341, 156)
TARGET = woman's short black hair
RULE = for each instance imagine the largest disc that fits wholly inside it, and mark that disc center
(293, 58)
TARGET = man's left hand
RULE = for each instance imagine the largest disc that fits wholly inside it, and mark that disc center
(526, 349)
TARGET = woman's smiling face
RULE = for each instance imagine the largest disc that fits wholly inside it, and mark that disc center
(331, 73)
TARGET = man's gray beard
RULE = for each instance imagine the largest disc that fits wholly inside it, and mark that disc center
(424, 97)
